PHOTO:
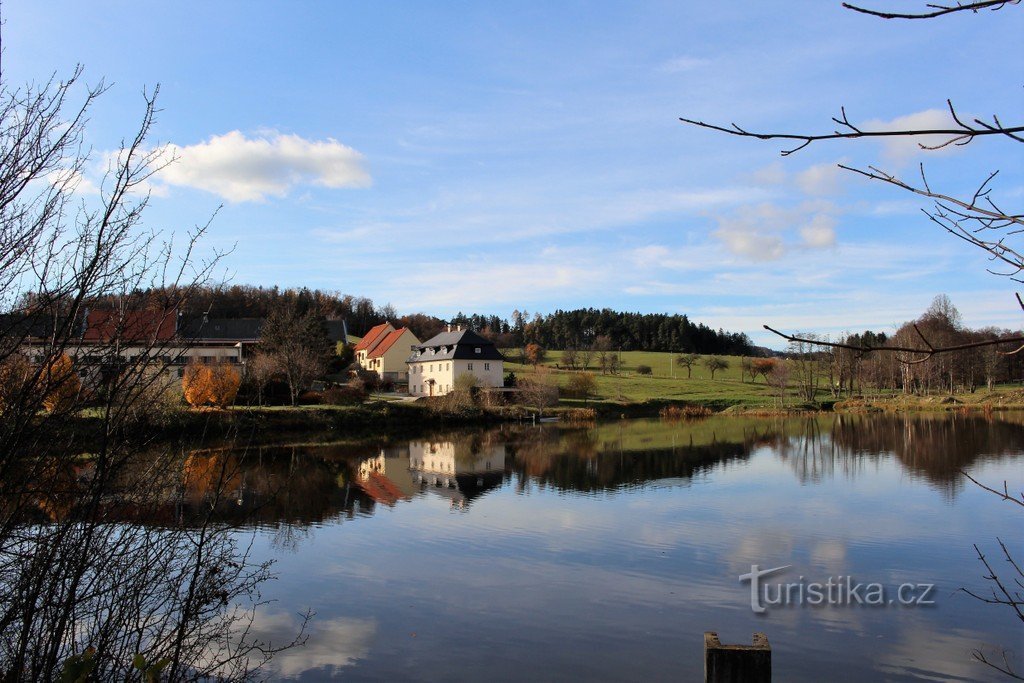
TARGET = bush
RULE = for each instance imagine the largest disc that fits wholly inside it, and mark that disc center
(688, 411)
(644, 370)
(577, 415)
(581, 385)
(352, 393)
(210, 384)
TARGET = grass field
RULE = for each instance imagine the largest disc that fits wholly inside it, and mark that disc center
(667, 382)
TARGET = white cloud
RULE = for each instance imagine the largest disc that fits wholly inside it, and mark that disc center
(242, 169)
(681, 64)
(751, 242)
(821, 179)
(902, 149)
(762, 232)
(820, 232)
(332, 643)
(72, 182)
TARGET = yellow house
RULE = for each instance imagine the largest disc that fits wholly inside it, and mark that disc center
(384, 351)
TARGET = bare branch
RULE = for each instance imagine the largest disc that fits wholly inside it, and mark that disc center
(960, 135)
(936, 10)
(928, 353)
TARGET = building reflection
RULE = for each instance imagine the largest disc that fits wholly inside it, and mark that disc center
(459, 470)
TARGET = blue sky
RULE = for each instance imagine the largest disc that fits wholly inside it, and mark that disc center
(488, 156)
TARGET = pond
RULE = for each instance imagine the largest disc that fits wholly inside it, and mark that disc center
(605, 553)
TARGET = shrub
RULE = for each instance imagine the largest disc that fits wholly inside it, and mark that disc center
(210, 384)
(577, 415)
(582, 384)
(644, 370)
(688, 411)
(62, 385)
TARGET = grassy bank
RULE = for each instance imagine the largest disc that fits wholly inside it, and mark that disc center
(631, 394)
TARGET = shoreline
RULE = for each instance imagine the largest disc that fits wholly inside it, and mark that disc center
(391, 418)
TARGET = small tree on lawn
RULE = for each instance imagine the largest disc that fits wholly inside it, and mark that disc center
(195, 384)
(224, 382)
(764, 367)
(778, 378)
(535, 354)
(538, 392)
(714, 364)
(687, 360)
(746, 368)
(582, 384)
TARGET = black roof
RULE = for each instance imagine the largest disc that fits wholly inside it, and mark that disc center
(221, 329)
(459, 344)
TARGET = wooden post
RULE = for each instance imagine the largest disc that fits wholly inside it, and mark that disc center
(737, 663)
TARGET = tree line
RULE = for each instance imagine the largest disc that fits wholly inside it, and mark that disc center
(844, 371)
(580, 328)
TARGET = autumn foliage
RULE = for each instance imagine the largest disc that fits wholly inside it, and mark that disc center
(215, 385)
(61, 384)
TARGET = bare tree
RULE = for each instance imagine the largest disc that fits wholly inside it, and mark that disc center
(687, 360)
(714, 364)
(90, 588)
(539, 391)
(296, 345)
(778, 379)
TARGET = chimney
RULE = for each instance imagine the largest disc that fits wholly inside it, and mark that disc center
(448, 327)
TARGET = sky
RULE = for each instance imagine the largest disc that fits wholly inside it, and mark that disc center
(487, 157)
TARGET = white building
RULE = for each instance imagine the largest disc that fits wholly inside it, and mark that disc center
(436, 363)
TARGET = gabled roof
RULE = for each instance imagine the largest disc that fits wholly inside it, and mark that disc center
(387, 342)
(373, 336)
(458, 344)
(131, 325)
(221, 329)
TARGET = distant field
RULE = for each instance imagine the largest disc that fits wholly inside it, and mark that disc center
(667, 382)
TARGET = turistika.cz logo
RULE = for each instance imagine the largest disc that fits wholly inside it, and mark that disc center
(836, 591)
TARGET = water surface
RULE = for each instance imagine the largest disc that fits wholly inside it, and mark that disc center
(605, 553)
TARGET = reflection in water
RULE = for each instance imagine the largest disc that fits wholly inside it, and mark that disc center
(303, 485)
(605, 552)
(457, 470)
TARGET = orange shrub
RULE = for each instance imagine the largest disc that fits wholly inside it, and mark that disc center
(210, 384)
(61, 384)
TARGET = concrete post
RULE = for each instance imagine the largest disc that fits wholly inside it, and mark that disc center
(737, 663)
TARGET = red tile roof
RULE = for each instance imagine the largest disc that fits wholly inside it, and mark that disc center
(131, 325)
(372, 336)
(386, 343)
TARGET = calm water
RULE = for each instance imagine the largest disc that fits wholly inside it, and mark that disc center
(553, 553)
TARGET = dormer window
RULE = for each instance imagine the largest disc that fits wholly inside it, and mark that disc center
(478, 350)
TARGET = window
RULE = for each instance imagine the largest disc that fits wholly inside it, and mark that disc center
(478, 350)
(487, 366)
(470, 366)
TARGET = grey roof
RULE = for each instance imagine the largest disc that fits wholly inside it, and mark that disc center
(460, 344)
(221, 329)
(28, 325)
